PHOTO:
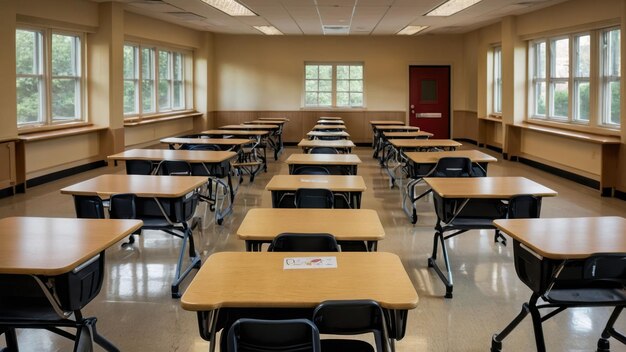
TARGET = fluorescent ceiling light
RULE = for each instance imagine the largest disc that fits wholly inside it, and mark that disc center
(269, 30)
(451, 7)
(410, 30)
(230, 7)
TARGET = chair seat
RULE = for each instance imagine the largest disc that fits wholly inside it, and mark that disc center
(27, 309)
(589, 296)
(154, 222)
(344, 345)
(472, 223)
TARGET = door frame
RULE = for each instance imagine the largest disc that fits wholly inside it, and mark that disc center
(407, 101)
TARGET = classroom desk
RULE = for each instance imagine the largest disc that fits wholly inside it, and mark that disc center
(234, 284)
(337, 164)
(328, 135)
(342, 145)
(330, 118)
(346, 188)
(330, 122)
(64, 255)
(247, 160)
(408, 135)
(173, 189)
(421, 164)
(214, 164)
(329, 127)
(261, 225)
(275, 131)
(545, 249)
(278, 133)
(379, 138)
(458, 208)
(234, 144)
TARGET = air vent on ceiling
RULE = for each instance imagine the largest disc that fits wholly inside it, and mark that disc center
(336, 30)
(187, 16)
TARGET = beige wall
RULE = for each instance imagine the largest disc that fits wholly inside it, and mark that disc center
(267, 73)
(8, 127)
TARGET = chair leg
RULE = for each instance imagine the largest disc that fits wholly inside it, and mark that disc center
(496, 340)
(534, 313)
(11, 339)
(432, 263)
(84, 341)
(609, 331)
(498, 237)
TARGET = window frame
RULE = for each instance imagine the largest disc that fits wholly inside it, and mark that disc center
(334, 80)
(140, 112)
(46, 77)
(496, 99)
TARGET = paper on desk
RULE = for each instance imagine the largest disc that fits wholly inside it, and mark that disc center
(310, 263)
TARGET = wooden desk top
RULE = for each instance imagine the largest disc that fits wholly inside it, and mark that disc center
(384, 122)
(330, 122)
(328, 134)
(265, 122)
(568, 238)
(405, 128)
(433, 157)
(424, 143)
(249, 279)
(336, 183)
(142, 185)
(207, 141)
(329, 127)
(191, 156)
(413, 134)
(54, 246)
(274, 118)
(323, 159)
(486, 187)
(249, 127)
(237, 132)
(310, 143)
(329, 118)
(263, 224)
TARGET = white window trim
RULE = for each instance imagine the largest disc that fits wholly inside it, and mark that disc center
(334, 105)
(497, 81)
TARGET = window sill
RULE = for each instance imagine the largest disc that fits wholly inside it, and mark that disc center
(131, 122)
(58, 133)
(491, 118)
(579, 135)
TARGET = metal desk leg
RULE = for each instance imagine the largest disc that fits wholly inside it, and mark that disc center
(194, 264)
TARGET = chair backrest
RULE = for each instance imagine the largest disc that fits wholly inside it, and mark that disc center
(211, 147)
(323, 150)
(453, 167)
(524, 206)
(174, 167)
(89, 207)
(304, 242)
(292, 335)
(314, 198)
(311, 170)
(352, 317)
(123, 206)
(139, 167)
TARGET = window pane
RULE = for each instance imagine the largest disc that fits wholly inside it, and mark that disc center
(343, 99)
(147, 83)
(582, 101)
(325, 99)
(130, 97)
(343, 85)
(27, 52)
(178, 67)
(311, 72)
(65, 55)
(583, 56)
(356, 86)
(615, 103)
(130, 62)
(325, 86)
(29, 100)
(326, 72)
(179, 96)
(311, 85)
(560, 99)
(540, 99)
(356, 99)
(64, 99)
(147, 95)
(311, 99)
(614, 53)
(165, 80)
(356, 72)
(147, 63)
(560, 58)
(540, 60)
(343, 72)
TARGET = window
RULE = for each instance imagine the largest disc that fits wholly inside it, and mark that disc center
(154, 80)
(497, 80)
(333, 85)
(564, 86)
(611, 73)
(49, 77)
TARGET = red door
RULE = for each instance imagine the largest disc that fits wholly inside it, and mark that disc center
(429, 99)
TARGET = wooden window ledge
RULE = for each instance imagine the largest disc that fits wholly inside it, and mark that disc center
(583, 136)
(51, 134)
(491, 118)
(146, 121)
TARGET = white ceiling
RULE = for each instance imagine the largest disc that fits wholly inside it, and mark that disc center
(309, 17)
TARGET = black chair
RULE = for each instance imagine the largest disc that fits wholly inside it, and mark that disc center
(304, 242)
(174, 167)
(139, 167)
(255, 335)
(314, 198)
(520, 207)
(597, 281)
(452, 167)
(88, 207)
(123, 206)
(351, 318)
(323, 150)
(210, 147)
(311, 170)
